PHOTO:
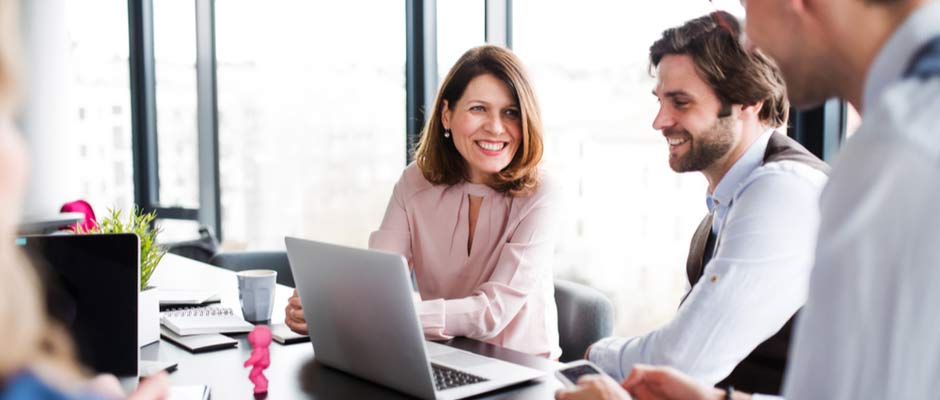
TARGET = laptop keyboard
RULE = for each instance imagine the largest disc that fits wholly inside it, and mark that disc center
(446, 378)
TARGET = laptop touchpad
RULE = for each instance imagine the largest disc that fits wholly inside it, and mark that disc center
(461, 359)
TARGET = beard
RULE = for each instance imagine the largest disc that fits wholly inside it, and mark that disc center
(711, 145)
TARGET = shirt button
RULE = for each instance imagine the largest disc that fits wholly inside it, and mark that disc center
(714, 278)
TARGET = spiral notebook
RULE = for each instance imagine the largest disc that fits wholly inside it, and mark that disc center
(199, 320)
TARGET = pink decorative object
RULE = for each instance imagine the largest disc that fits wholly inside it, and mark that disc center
(83, 207)
(260, 339)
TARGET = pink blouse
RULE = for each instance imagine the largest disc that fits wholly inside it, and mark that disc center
(502, 292)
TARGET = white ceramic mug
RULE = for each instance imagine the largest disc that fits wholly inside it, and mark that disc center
(256, 293)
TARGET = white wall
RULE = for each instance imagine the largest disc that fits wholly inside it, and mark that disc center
(44, 117)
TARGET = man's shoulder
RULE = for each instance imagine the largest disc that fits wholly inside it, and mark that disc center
(783, 176)
(28, 385)
(908, 115)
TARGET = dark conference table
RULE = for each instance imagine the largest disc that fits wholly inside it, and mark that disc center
(294, 372)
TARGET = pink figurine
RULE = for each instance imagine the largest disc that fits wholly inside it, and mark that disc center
(260, 339)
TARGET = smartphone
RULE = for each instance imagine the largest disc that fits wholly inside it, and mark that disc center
(283, 335)
(571, 372)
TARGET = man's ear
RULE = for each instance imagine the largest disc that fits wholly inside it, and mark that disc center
(445, 114)
(753, 108)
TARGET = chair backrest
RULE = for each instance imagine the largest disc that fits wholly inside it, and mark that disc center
(585, 316)
(242, 260)
(201, 249)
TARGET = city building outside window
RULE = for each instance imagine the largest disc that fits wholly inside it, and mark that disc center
(99, 103)
(311, 118)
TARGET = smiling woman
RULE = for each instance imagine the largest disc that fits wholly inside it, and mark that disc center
(485, 126)
(474, 216)
(488, 105)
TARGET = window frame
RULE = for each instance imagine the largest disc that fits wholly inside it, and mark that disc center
(820, 129)
(144, 116)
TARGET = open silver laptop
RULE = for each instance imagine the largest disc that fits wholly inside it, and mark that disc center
(358, 305)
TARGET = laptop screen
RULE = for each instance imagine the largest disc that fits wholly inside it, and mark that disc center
(91, 286)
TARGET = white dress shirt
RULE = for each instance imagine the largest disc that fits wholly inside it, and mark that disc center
(870, 329)
(766, 221)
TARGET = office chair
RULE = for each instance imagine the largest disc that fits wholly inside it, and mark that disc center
(585, 316)
(201, 249)
(242, 260)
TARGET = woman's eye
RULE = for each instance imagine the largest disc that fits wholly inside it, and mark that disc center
(680, 104)
(477, 108)
(512, 113)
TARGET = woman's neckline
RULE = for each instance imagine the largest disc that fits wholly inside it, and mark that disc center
(477, 189)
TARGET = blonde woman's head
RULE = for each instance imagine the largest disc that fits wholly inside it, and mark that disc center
(29, 340)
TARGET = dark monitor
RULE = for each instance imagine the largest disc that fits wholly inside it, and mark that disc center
(91, 284)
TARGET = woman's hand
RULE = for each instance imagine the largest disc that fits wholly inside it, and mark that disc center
(294, 315)
(106, 385)
(154, 387)
(647, 382)
(594, 387)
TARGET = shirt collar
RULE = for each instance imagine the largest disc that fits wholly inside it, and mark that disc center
(749, 161)
(891, 61)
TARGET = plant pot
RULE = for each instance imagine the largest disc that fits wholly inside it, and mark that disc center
(148, 316)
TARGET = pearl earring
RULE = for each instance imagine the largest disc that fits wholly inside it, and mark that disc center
(447, 133)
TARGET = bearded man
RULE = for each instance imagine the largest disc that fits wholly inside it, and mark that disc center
(750, 259)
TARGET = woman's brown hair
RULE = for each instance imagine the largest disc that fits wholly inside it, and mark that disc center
(438, 158)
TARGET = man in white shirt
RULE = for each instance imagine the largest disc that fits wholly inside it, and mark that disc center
(868, 329)
(750, 260)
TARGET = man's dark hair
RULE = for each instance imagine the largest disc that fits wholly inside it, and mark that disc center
(736, 74)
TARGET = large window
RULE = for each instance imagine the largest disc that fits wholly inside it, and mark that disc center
(460, 26)
(630, 217)
(174, 52)
(311, 118)
(100, 113)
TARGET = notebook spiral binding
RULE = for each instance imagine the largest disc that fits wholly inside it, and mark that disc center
(198, 312)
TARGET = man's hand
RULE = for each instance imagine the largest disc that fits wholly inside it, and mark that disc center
(665, 383)
(596, 387)
(294, 315)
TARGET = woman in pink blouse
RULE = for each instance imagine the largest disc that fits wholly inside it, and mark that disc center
(473, 216)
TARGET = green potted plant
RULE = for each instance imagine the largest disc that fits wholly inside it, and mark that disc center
(151, 253)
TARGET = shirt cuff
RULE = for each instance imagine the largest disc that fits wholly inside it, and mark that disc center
(432, 314)
(606, 354)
